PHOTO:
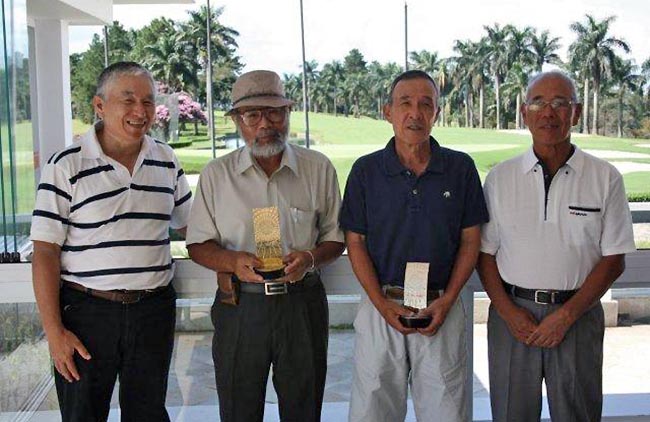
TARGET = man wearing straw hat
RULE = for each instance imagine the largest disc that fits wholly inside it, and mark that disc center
(260, 323)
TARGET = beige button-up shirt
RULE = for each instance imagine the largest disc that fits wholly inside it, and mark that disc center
(304, 188)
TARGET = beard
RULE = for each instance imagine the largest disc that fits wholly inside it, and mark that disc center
(269, 149)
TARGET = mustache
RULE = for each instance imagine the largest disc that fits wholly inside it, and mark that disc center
(269, 133)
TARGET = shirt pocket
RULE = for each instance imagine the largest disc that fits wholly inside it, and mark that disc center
(585, 224)
(303, 228)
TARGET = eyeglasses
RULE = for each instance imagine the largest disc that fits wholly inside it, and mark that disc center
(273, 115)
(556, 104)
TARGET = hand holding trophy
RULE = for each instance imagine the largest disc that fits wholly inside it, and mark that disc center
(266, 226)
(415, 294)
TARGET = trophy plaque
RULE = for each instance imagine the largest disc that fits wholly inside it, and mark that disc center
(266, 226)
(415, 294)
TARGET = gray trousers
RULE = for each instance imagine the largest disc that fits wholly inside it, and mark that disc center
(572, 371)
(386, 362)
(287, 332)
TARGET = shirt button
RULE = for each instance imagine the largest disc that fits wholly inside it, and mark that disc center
(408, 173)
(415, 191)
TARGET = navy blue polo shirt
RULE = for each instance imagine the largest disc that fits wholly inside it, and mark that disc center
(409, 218)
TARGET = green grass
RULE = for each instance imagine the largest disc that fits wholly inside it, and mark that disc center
(344, 139)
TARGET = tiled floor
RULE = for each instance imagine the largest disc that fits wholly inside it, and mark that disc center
(192, 394)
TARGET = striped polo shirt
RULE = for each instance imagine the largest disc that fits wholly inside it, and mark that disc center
(113, 227)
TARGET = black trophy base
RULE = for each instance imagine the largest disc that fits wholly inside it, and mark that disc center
(273, 274)
(415, 321)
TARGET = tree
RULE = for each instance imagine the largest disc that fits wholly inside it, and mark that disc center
(626, 79)
(544, 49)
(169, 60)
(355, 82)
(594, 52)
(223, 45)
(516, 83)
(333, 76)
(497, 55)
(86, 67)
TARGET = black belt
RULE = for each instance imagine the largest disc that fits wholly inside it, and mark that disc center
(124, 297)
(542, 296)
(273, 288)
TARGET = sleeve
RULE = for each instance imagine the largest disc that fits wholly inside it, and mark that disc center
(182, 199)
(202, 226)
(490, 241)
(353, 210)
(617, 235)
(475, 211)
(328, 220)
(52, 210)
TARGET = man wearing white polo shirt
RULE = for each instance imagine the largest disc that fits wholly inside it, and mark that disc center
(559, 228)
(102, 265)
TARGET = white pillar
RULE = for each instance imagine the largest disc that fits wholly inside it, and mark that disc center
(53, 81)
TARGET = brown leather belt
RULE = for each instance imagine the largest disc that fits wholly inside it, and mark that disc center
(541, 296)
(397, 293)
(125, 297)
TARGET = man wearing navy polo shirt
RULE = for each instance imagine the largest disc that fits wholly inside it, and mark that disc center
(413, 201)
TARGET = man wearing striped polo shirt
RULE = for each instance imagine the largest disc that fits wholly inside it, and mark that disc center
(102, 264)
(282, 324)
(559, 230)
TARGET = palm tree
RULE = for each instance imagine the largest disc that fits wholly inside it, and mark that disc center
(168, 61)
(425, 61)
(462, 76)
(442, 77)
(223, 44)
(333, 76)
(544, 49)
(625, 77)
(516, 83)
(497, 54)
(471, 76)
(595, 50)
(312, 75)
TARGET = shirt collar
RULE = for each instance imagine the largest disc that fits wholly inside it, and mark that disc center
(246, 161)
(92, 149)
(530, 160)
(393, 166)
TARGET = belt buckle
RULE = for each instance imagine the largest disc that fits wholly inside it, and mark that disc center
(548, 292)
(275, 288)
(129, 300)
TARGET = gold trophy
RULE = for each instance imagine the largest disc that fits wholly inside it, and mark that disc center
(416, 279)
(266, 226)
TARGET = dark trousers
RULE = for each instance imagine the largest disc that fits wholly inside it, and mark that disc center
(572, 370)
(133, 342)
(288, 332)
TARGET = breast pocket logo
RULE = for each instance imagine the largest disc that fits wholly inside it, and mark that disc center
(446, 194)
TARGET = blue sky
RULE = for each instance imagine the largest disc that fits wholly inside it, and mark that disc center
(270, 30)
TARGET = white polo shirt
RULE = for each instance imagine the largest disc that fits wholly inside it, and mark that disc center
(555, 246)
(113, 228)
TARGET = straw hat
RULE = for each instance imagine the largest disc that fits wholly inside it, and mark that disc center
(259, 88)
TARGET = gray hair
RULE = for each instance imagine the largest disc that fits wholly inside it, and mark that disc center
(413, 74)
(553, 74)
(119, 69)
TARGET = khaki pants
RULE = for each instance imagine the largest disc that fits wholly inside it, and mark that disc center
(387, 362)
